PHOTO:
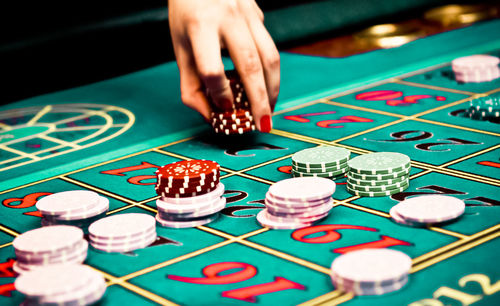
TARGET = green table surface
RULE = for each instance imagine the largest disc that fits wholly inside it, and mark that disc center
(111, 136)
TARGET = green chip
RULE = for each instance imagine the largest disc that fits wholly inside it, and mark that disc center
(379, 163)
(376, 177)
(319, 170)
(376, 182)
(377, 193)
(377, 188)
(323, 174)
(318, 157)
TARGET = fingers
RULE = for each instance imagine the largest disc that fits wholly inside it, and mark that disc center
(246, 59)
(268, 52)
(192, 93)
(206, 51)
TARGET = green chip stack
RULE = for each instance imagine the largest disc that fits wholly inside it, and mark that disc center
(330, 162)
(378, 174)
(484, 108)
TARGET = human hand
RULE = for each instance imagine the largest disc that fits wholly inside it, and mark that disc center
(199, 30)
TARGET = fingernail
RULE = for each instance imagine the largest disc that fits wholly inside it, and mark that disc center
(265, 124)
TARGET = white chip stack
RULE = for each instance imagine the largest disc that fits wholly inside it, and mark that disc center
(190, 211)
(371, 271)
(297, 202)
(123, 232)
(62, 284)
(476, 68)
(48, 246)
(75, 207)
(427, 210)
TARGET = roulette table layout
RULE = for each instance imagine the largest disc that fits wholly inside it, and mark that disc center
(110, 137)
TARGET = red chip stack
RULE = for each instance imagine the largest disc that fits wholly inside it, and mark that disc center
(187, 178)
(237, 120)
(190, 193)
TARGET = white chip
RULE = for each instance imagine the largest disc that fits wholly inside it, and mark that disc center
(48, 239)
(302, 188)
(430, 208)
(55, 279)
(372, 265)
(67, 202)
(122, 225)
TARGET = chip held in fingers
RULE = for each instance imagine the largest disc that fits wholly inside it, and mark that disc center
(238, 119)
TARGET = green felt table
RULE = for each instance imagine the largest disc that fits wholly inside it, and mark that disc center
(111, 136)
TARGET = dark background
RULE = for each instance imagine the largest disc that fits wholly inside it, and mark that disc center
(52, 45)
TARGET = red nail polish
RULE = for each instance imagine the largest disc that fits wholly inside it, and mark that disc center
(265, 124)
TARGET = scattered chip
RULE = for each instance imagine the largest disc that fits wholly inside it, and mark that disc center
(428, 209)
(61, 284)
(476, 68)
(48, 246)
(371, 271)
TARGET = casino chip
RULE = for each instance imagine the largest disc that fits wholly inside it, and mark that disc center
(484, 108)
(48, 246)
(61, 284)
(476, 68)
(190, 193)
(297, 202)
(123, 232)
(371, 271)
(76, 207)
(323, 161)
(378, 174)
(427, 210)
(237, 120)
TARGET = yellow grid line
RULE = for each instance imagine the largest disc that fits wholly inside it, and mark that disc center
(237, 173)
(455, 248)
(175, 260)
(454, 252)
(99, 190)
(375, 111)
(5, 245)
(440, 108)
(286, 256)
(455, 244)
(20, 153)
(413, 84)
(458, 127)
(9, 231)
(39, 115)
(470, 156)
(322, 298)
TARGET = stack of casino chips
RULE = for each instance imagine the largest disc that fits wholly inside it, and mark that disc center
(238, 119)
(123, 233)
(370, 271)
(484, 108)
(321, 161)
(50, 245)
(62, 284)
(476, 68)
(427, 210)
(297, 202)
(378, 174)
(76, 207)
(190, 193)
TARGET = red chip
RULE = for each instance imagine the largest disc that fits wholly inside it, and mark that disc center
(189, 169)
